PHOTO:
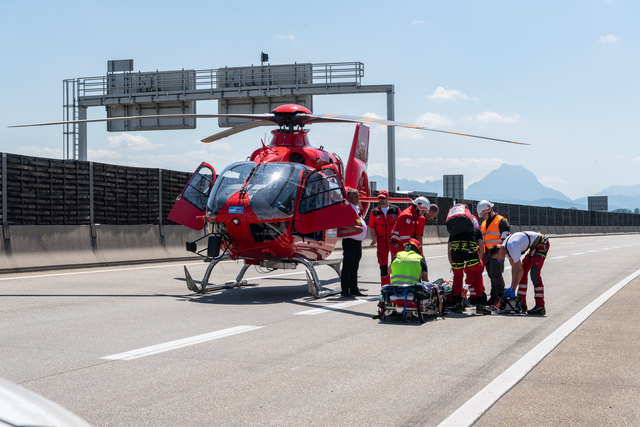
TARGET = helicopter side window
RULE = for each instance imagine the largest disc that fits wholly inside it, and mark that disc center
(198, 188)
(321, 190)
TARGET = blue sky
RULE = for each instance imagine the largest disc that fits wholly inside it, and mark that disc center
(560, 75)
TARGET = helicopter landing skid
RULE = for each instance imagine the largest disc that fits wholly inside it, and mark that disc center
(313, 283)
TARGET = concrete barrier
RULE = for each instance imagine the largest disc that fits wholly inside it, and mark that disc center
(41, 247)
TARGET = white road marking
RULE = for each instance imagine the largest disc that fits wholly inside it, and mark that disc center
(578, 253)
(559, 257)
(473, 409)
(173, 345)
(75, 273)
(320, 310)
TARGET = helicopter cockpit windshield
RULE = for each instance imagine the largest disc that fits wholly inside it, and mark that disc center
(271, 189)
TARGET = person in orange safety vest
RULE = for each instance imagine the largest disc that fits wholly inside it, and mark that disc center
(495, 229)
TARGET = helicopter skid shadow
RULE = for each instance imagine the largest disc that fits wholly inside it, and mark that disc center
(249, 294)
(228, 293)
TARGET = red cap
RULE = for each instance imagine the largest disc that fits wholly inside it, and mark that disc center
(383, 194)
(415, 243)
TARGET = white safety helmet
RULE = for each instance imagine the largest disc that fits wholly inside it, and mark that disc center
(484, 206)
(422, 203)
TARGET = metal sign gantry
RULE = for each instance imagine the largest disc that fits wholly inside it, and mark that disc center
(164, 92)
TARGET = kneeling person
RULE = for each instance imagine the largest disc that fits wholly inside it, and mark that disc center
(409, 266)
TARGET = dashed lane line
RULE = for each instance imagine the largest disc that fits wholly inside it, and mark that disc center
(339, 306)
(173, 345)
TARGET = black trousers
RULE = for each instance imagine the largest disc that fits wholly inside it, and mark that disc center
(351, 255)
(494, 271)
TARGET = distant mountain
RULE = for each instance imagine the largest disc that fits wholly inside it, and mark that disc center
(621, 190)
(409, 185)
(517, 185)
(511, 184)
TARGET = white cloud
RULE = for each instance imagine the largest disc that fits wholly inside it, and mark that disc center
(104, 156)
(428, 120)
(52, 153)
(609, 39)
(377, 169)
(416, 22)
(371, 116)
(636, 160)
(286, 37)
(409, 134)
(132, 142)
(491, 117)
(442, 95)
(433, 120)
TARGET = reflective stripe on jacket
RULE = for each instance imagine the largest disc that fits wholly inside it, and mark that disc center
(491, 234)
(406, 269)
(407, 226)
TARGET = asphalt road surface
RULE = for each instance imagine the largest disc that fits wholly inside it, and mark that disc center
(132, 346)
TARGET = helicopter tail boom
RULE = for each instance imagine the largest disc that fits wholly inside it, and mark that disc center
(356, 171)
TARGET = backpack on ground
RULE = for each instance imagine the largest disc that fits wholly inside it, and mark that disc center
(459, 220)
(510, 306)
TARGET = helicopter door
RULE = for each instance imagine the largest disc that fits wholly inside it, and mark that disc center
(192, 202)
(323, 204)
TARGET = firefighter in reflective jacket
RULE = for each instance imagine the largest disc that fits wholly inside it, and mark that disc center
(410, 224)
(381, 222)
(409, 266)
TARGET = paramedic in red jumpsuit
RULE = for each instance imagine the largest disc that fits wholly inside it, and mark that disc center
(381, 222)
(410, 224)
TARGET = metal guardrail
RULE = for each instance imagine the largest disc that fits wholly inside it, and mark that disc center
(221, 78)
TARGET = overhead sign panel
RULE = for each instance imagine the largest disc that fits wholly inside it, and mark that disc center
(266, 77)
(453, 186)
(598, 203)
(152, 84)
(167, 107)
(119, 65)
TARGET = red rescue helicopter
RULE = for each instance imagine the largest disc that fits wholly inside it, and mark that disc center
(285, 205)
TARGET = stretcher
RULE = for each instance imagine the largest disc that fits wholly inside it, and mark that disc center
(422, 301)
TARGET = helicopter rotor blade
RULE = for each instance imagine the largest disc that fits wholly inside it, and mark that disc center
(265, 119)
(366, 120)
(266, 116)
(237, 129)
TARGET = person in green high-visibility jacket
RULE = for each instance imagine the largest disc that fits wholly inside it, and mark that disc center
(409, 266)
